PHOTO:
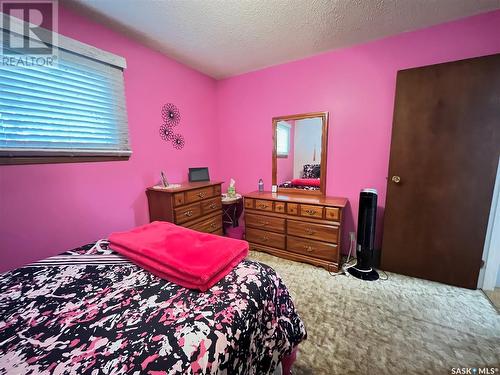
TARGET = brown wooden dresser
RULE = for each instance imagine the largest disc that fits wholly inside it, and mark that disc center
(297, 227)
(195, 205)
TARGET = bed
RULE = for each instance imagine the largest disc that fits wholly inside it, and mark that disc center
(309, 179)
(92, 311)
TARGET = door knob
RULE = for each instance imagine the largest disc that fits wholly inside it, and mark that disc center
(396, 179)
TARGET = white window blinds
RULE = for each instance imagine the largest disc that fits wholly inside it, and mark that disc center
(76, 108)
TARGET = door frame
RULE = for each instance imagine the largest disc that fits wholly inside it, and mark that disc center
(491, 253)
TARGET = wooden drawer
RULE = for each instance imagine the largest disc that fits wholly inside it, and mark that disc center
(328, 233)
(322, 250)
(279, 207)
(274, 224)
(187, 213)
(178, 199)
(249, 203)
(292, 209)
(265, 238)
(311, 211)
(198, 194)
(263, 205)
(208, 226)
(332, 213)
(211, 205)
(216, 190)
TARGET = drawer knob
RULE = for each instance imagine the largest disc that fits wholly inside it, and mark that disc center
(311, 212)
(308, 248)
(263, 206)
(213, 225)
(188, 213)
(310, 231)
(201, 195)
(213, 205)
(265, 238)
(264, 222)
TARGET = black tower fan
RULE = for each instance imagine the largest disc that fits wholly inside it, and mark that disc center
(366, 236)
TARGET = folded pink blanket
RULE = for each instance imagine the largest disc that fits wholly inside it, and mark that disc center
(186, 257)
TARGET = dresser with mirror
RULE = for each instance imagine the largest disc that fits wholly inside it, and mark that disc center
(298, 221)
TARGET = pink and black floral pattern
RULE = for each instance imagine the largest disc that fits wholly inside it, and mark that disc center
(92, 312)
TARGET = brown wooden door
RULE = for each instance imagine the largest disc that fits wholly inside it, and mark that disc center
(445, 149)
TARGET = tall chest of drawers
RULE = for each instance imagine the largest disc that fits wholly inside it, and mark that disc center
(297, 227)
(195, 205)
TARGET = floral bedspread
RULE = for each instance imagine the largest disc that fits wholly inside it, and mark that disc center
(93, 312)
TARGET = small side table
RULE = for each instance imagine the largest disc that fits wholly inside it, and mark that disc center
(231, 210)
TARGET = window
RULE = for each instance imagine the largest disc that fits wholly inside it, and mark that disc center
(74, 111)
(282, 139)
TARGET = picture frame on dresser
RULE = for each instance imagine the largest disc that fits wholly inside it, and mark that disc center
(306, 143)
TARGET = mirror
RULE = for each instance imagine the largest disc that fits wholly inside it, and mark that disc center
(299, 153)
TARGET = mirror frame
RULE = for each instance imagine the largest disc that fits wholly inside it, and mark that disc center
(324, 146)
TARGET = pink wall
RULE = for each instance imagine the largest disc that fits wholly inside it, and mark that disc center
(356, 85)
(45, 209)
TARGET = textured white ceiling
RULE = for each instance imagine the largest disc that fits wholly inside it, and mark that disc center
(228, 37)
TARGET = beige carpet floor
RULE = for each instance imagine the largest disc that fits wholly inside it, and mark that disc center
(399, 326)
